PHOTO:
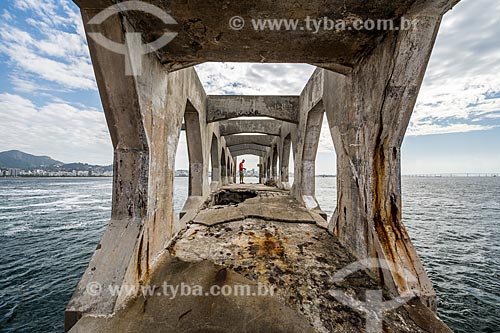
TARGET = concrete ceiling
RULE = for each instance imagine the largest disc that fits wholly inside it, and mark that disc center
(204, 33)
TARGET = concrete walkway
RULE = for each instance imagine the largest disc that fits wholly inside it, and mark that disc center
(260, 238)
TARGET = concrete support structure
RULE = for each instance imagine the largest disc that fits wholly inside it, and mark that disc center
(230, 127)
(261, 140)
(368, 113)
(227, 106)
(367, 87)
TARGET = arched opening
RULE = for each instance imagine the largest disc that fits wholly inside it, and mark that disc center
(251, 164)
(188, 172)
(325, 170)
(181, 175)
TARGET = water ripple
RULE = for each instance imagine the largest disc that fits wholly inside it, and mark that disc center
(49, 229)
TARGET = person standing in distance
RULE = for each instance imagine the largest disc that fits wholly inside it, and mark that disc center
(242, 172)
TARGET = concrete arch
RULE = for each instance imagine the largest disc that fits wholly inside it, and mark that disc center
(249, 152)
(224, 107)
(248, 146)
(262, 140)
(262, 126)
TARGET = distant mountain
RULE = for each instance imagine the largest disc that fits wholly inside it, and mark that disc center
(84, 167)
(16, 159)
(20, 160)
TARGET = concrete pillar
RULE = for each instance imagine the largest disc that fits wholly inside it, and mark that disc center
(310, 148)
(284, 160)
(223, 162)
(144, 114)
(215, 161)
(368, 113)
(235, 172)
(140, 222)
(231, 171)
(260, 165)
(269, 167)
(274, 159)
(195, 151)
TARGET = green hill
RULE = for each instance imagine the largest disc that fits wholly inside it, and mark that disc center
(16, 159)
(20, 160)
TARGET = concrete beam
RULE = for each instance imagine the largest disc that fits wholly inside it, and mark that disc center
(262, 140)
(249, 152)
(262, 126)
(248, 146)
(226, 107)
(93, 4)
(250, 45)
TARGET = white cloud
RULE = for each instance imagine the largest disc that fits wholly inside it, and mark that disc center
(68, 133)
(461, 91)
(6, 15)
(428, 129)
(54, 48)
(461, 83)
(254, 79)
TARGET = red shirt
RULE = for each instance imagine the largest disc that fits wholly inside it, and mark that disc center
(241, 166)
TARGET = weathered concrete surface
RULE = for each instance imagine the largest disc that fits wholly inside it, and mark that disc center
(225, 107)
(368, 113)
(252, 146)
(298, 260)
(267, 206)
(144, 115)
(249, 152)
(204, 33)
(262, 126)
(261, 140)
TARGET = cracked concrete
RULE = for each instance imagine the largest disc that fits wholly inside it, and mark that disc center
(295, 259)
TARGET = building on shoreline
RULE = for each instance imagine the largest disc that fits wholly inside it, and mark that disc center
(13, 173)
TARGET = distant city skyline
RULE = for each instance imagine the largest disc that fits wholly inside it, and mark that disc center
(49, 103)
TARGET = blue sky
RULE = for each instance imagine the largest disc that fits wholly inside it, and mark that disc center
(49, 104)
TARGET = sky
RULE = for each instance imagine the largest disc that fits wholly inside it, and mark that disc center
(49, 104)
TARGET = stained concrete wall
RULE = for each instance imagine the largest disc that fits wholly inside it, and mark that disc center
(145, 116)
(368, 113)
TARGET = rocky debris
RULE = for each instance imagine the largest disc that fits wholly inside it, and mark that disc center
(266, 205)
(270, 182)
